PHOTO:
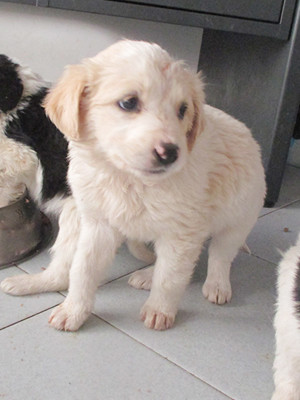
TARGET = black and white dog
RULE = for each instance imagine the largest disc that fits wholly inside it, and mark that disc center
(33, 152)
(287, 325)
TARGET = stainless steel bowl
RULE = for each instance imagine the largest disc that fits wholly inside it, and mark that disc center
(23, 230)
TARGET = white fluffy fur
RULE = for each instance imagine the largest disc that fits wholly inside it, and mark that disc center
(23, 170)
(214, 189)
(287, 326)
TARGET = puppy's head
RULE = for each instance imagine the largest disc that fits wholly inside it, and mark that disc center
(17, 83)
(141, 109)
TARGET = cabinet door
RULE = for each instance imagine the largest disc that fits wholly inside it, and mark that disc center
(262, 10)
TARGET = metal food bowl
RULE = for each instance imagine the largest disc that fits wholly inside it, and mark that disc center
(24, 230)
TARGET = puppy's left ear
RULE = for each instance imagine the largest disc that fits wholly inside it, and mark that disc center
(64, 103)
(198, 122)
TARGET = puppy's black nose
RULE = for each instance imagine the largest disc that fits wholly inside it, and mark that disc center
(166, 153)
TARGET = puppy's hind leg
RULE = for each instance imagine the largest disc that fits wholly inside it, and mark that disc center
(142, 278)
(223, 248)
(141, 251)
(56, 276)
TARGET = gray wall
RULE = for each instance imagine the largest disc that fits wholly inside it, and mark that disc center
(48, 39)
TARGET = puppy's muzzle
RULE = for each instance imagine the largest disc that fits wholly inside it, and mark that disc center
(165, 153)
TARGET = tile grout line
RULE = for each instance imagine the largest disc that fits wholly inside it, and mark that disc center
(124, 275)
(29, 317)
(162, 356)
(264, 259)
(132, 338)
(279, 208)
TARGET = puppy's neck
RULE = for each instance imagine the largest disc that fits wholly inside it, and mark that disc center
(90, 159)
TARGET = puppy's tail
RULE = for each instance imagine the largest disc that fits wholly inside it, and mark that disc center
(246, 249)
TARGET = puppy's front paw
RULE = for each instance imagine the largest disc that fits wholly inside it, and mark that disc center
(156, 319)
(67, 317)
(16, 285)
(217, 292)
(142, 279)
(286, 392)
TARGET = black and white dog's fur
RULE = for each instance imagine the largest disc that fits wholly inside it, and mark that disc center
(33, 151)
(287, 325)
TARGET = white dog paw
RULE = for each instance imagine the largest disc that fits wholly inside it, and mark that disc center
(157, 319)
(67, 317)
(142, 279)
(216, 292)
(286, 392)
(16, 285)
(278, 396)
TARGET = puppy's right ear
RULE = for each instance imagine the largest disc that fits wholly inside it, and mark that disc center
(63, 104)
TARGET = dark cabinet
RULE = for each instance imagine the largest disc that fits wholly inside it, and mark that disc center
(271, 18)
(262, 10)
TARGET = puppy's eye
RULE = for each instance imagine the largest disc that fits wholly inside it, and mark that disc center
(182, 110)
(129, 104)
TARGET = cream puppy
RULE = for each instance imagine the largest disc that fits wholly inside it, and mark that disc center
(287, 325)
(149, 162)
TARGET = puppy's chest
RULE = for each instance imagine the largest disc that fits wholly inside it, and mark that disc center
(133, 209)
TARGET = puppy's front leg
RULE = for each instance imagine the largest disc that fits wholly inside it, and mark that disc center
(172, 271)
(97, 246)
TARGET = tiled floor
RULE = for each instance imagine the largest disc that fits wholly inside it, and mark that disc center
(212, 352)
